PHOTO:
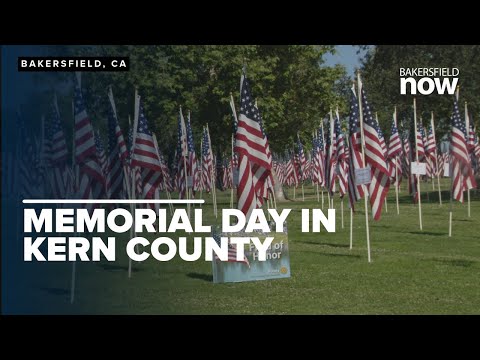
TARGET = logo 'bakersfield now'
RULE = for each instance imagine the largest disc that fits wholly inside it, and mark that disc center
(426, 81)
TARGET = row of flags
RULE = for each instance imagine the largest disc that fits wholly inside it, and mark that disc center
(135, 167)
(334, 157)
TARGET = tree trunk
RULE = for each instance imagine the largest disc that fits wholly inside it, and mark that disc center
(278, 188)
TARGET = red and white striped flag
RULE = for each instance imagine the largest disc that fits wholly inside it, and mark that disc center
(376, 158)
(460, 163)
(58, 156)
(331, 160)
(355, 192)
(145, 157)
(206, 162)
(342, 160)
(117, 184)
(394, 150)
(252, 148)
(182, 155)
(91, 178)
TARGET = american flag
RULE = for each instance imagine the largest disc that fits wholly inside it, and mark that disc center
(395, 144)
(471, 138)
(30, 178)
(181, 157)
(232, 251)
(462, 172)
(420, 135)
(91, 179)
(252, 148)
(407, 154)
(394, 150)
(192, 169)
(145, 156)
(331, 160)
(117, 156)
(291, 174)
(476, 145)
(58, 155)
(381, 137)
(316, 161)
(135, 174)
(263, 187)
(102, 157)
(430, 146)
(226, 173)
(471, 145)
(375, 156)
(431, 152)
(206, 162)
(441, 163)
(355, 192)
(342, 160)
(301, 159)
(321, 155)
(220, 171)
(166, 184)
(279, 168)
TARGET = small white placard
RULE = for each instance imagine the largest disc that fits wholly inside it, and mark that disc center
(446, 170)
(189, 181)
(363, 176)
(418, 168)
(235, 177)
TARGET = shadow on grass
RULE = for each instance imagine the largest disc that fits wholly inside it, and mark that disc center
(456, 262)
(323, 244)
(426, 233)
(204, 277)
(114, 268)
(55, 291)
(328, 254)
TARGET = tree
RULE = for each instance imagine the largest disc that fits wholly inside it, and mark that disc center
(380, 75)
(293, 87)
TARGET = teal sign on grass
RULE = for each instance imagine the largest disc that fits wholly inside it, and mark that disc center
(277, 265)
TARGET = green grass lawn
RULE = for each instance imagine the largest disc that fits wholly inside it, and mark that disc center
(412, 271)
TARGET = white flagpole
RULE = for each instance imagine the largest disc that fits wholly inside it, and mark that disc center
(341, 206)
(212, 178)
(323, 163)
(201, 168)
(436, 161)
(232, 105)
(318, 175)
(233, 185)
(359, 84)
(155, 143)
(351, 228)
(416, 156)
(184, 131)
(330, 205)
(385, 200)
(125, 175)
(397, 181)
(467, 125)
(450, 168)
(132, 193)
(303, 170)
(294, 172)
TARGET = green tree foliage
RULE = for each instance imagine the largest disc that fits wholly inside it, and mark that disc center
(293, 87)
(380, 75)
